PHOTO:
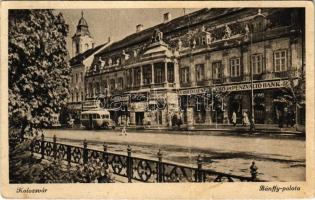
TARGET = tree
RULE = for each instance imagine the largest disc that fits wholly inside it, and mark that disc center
(38, 69)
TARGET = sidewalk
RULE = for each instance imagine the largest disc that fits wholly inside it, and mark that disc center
(259, 128)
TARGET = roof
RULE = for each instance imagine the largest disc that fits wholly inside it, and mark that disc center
(78, 59)
(97, 110)
(191, 19)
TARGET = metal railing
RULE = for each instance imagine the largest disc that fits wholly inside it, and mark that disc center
(135, 168)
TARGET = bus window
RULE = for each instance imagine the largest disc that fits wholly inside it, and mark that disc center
(105, 116)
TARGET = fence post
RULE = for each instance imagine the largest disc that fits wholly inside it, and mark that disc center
(42, 146)
(129, 164)
(199, 171)
(85, 152)
(55, 147)
(69, 154)
(160, 173)
(105, 155)
(32, 147)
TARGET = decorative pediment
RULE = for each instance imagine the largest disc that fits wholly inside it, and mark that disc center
(157, 49)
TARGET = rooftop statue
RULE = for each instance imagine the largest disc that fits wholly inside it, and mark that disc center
(157, 36)
(227, 32)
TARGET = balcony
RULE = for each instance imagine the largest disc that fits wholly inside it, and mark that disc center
(236, 79)
(282, 74)
(218, 81)
(202, 82)
(185, 84)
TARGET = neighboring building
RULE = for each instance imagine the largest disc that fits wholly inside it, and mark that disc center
(198, 67)
(84, 51)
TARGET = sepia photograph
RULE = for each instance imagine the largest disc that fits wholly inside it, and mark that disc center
(186, 94)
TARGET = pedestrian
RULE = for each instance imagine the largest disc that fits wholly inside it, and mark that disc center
(234, 118)
(245, 119)
(124, 130)
(287, 116)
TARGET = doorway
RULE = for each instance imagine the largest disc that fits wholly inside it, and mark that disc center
(139, 118)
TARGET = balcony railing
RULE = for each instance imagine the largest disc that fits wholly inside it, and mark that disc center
(282, 74)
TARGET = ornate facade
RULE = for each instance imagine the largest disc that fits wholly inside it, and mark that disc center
(199, 67)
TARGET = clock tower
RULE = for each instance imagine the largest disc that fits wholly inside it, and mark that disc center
(81, 40)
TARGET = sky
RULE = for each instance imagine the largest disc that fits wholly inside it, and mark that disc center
(116, 23)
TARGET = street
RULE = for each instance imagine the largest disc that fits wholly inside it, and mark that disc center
(277, 159)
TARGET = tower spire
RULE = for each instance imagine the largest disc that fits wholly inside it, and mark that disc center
(81, 13)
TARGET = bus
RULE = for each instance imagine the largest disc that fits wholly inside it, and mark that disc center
(96, 119)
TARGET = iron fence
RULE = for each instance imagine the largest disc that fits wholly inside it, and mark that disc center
(135, 168)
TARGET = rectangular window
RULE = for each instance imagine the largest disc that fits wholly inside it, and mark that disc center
(280, 60)
(200, 72)
(112, 84)
(170, 72)
(147, 74)
(137, 76)
(257, 63)
(184, 75)
(235, 67)
(120, 83)
(76, 78)
(81, 77)
(82, 96)
(159, 73)
(217, 70)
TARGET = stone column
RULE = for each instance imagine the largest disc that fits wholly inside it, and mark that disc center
(165, 72)
(208, 117)
(190, 118)
(141, 76)
(132, 118)
(176, 73)
(152, 73)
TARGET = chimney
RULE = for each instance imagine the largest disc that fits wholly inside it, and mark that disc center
(139, 28)
(108, 40)
(167, 17)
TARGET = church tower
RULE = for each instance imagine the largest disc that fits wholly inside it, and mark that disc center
(81, 40)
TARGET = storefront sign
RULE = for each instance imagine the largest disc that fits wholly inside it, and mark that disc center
(194, 91)
(120, 98)
(237, 87)
(256, 86)
(139, 97)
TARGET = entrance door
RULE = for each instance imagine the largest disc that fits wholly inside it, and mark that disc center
(139, 118)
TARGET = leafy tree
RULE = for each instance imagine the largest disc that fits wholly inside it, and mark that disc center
(38, 69)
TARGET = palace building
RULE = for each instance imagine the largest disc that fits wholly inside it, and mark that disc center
(202, 67)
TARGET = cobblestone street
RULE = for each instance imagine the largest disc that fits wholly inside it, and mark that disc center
(277, 159)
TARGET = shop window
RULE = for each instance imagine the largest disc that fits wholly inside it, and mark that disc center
(257, 63)
(184, 75)
(137, 76)
(235, 67)
(200, 72)
(170, 72)
(280, 60)
(158, 72)
(147, 74)
(217, 70)
(112, 84)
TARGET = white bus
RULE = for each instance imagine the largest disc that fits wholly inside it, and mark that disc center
(98, 118)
